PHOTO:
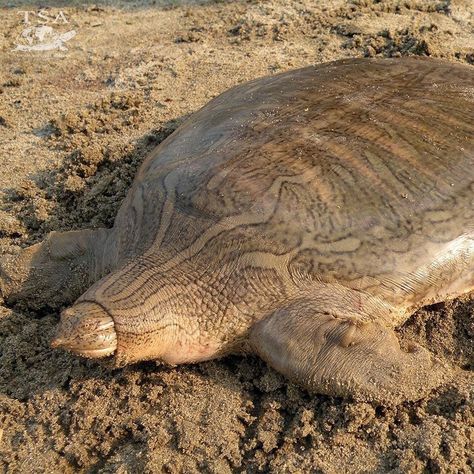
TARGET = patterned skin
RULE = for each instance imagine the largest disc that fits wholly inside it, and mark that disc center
(301, 217)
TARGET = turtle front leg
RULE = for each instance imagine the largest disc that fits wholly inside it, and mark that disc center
(57, 270)
(344, 352)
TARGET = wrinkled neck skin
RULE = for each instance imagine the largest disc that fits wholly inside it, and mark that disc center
(191, 311)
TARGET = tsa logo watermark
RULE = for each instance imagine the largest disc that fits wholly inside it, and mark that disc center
(44, 31)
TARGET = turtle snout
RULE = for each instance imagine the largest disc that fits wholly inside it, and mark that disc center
(87, 330)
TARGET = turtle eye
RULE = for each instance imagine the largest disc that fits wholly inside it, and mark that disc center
(87, 330)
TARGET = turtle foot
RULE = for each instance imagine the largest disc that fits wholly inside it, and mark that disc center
(53, 272)
(346, 356)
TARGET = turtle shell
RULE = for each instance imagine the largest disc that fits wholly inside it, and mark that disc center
(359, 171)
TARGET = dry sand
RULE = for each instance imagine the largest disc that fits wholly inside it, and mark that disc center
(74, 126)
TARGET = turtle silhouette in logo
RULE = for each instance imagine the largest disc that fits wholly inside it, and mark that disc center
(43, 38)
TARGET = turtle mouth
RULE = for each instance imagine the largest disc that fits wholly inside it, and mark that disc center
(86, 329)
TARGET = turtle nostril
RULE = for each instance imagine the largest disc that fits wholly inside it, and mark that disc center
(87, 330)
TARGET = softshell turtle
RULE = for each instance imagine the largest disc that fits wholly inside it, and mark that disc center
(301, 217)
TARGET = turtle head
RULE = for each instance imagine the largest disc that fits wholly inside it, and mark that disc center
(87, 330)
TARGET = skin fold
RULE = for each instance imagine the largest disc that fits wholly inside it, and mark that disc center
(301, 217)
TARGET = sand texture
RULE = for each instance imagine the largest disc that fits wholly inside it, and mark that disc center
(74, 126)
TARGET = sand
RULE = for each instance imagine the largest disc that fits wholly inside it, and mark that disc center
(74, 126)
